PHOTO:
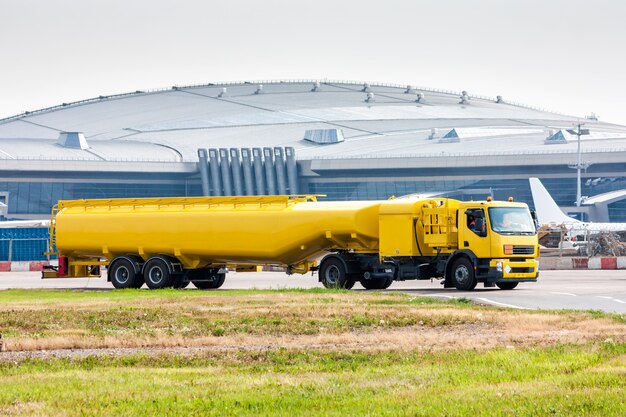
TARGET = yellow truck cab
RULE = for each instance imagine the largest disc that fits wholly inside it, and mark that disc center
(500, 241)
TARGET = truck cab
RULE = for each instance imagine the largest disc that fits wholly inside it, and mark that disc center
(498, 240)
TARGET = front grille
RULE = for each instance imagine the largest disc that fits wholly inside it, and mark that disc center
(523, 250)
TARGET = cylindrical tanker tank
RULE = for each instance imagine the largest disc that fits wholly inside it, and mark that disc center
(216, 230)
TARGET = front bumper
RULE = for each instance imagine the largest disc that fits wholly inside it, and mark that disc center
(513, 271)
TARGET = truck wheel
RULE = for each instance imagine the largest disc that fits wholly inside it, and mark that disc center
(462, 274)
(333, 274)
(376, 283)
(122, 274)
(180, 281)
(157, 274)
(506, 285)
(207, 278)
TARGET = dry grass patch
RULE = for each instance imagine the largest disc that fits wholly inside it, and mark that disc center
(290, 319)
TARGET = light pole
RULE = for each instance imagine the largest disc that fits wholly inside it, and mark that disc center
(579, 132)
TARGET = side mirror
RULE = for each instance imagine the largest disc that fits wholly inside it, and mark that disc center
(533, 214)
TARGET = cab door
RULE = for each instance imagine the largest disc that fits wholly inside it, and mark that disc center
(474, 232)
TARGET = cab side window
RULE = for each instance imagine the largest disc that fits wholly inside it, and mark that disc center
(476, 221)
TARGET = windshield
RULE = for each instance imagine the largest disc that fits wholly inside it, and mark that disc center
(515, 220)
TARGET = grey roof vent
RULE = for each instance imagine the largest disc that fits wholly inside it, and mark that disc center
(369, 98)
(561, 136)
(223, 92)
(409, 90)
(324, 136)
(419, 97)
(450, 137)
(75, 140)
(366, 87)
(317, 86)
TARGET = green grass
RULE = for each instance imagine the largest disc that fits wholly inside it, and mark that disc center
(564, 380)
(304, 353)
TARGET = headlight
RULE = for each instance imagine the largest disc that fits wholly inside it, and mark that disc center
(499, 266)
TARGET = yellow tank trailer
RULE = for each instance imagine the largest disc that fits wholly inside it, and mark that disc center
(169, 242)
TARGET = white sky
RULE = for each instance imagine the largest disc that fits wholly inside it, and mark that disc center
(563, 55)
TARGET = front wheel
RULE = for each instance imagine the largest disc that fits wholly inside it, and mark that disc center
(333, 274)
(506, 285)
(462, 274)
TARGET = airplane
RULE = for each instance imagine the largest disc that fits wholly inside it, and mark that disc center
(548, 212)
(10, 224)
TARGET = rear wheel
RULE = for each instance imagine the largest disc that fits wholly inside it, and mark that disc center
(122, 274)
(180, 281)
(206, 278)
(462, 274)
(157, 274)
(376, 283)
(333, 274)
(506, 285)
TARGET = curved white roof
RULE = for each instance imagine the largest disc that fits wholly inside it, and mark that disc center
(170, 125)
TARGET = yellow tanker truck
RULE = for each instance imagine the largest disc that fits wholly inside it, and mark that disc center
(170, 242)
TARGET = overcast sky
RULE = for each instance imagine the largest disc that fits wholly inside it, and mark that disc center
(563, 55)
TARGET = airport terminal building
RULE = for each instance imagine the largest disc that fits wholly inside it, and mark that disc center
(347, 140)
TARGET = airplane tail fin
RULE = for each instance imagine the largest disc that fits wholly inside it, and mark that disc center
(545, 206)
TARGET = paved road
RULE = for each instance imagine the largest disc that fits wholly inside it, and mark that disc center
(595, 290)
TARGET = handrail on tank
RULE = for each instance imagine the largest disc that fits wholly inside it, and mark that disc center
(52, 242)
(187, 201)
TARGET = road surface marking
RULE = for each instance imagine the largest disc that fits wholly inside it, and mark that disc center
(503, 304)
(611, 298)
(564, 293)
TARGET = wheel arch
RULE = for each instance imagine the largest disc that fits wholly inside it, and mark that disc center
(328, 258)
(468, 254)
(174, 266)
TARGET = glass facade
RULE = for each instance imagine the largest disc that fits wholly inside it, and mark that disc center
(563, 190)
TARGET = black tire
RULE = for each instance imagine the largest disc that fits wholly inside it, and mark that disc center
(206, 278)
(507, 285)
(180, 281)
(122, 274)
(157, 274)
(333, 274)
(376, 283)
(462, 275)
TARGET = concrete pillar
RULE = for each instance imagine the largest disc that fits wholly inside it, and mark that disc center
(203, 165)
(246, 165)
(259, 176)
(225, 168)
(269, 171)
(279, 164)
(235, 166)
(214, 168)
(292, 170)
